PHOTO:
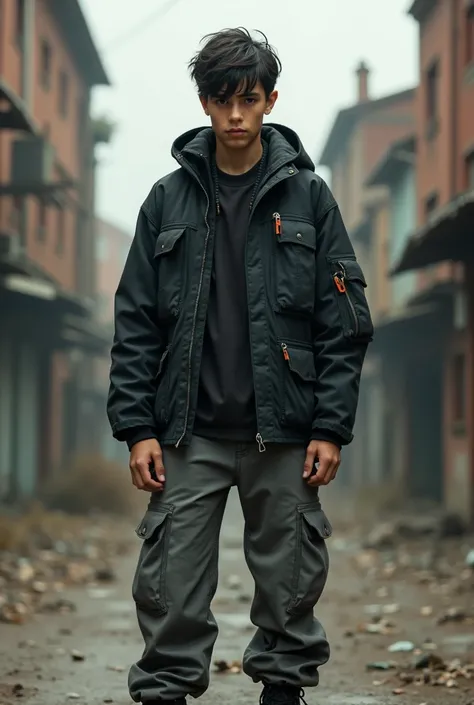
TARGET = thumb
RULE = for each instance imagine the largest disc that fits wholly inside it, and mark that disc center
(309, 462)
(158, 464)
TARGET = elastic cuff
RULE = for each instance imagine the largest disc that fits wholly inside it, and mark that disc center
(328, 436)
(140, 433)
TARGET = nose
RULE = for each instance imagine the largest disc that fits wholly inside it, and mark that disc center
(236, 113)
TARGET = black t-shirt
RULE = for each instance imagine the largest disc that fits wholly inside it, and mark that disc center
(226, 401)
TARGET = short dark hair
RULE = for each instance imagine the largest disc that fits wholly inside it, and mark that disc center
(232, 58)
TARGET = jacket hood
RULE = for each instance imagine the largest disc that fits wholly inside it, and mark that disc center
(285, 146)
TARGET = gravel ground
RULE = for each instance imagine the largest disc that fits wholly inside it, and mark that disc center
(38, 666)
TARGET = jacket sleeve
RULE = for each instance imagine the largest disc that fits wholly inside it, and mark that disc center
(342, 326)
(137, 342)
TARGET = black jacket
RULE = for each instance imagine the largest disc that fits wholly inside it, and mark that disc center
(309, 320)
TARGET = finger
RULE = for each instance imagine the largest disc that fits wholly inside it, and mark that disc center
(318, 478)
(136, 478)
(159, 467)
(309, 463)
(331, 471)
(143, 467)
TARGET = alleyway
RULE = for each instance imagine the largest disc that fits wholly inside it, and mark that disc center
(39, 663)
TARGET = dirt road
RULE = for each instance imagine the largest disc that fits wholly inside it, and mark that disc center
(37, 659)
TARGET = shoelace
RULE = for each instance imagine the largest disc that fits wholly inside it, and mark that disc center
(274, 695)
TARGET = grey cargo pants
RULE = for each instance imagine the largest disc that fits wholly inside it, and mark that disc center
(176, 577)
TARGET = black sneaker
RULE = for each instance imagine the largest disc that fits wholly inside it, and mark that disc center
(282, 695)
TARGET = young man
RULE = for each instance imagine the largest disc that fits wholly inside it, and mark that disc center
(241, 329)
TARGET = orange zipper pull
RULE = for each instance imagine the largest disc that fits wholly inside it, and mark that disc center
(277, 219)
(286, 354)
(340, 283)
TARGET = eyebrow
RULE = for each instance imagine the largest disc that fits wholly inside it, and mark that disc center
(239, 95)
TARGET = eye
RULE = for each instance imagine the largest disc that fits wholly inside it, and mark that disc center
(221, 101)
(250, 101)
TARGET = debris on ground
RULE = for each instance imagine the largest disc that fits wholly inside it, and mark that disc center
(401, 647)
(454, 614)
(77, 656)
(377, 626)
(382, 666)
(234, 582)
(42, 553)
(233, 667)
(437, 672)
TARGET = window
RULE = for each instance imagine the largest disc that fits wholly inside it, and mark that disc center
(469, 25)
(459, 388)
(432, 95)
(63, 93)
(42, 222)
(431, 205)
(46, 60)
(60, 235)
(20, 21)
(470, 172)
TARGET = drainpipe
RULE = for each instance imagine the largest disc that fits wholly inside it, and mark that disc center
(29, 51)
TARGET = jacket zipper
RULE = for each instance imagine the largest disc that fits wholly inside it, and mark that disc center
(340, 281)
(196, 308)
(277, 219)
(261, 443)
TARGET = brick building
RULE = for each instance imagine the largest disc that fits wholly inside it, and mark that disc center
(358, 139)
(441, 249)
(48, 66)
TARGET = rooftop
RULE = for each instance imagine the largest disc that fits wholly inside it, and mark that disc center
(347, 119)
(400, 154)
(76, 31)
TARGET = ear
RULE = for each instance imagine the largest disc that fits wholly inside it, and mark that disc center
(204, 103)
(271, 100)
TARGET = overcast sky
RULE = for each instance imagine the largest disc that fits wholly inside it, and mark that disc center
(152, 99)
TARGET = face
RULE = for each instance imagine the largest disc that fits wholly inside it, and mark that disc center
(237, 121)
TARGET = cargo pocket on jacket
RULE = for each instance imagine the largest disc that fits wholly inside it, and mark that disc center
(311, 563)
(298, 385)
(169, 260)
(350, 285)
(149, 583)
(295, 265)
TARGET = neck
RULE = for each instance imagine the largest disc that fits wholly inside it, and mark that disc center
(238, 161)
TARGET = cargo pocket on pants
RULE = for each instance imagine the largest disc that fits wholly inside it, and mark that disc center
(149, 583)
(311, 564)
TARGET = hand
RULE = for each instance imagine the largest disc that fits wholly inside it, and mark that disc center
(142, 455)
(329, 457)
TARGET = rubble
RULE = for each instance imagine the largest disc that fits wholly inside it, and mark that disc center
(43, 553)
(401, 647)
(233, 667)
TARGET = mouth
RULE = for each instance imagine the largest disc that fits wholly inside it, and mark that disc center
(236, 131)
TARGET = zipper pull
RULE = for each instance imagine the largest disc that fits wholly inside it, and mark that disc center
(340, 282)
(261, 444)
(277, 219)
(286, 354)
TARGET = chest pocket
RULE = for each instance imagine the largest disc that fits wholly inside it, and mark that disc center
(169, 258)
(295, 266)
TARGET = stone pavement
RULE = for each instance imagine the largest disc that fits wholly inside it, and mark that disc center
(40, 666)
